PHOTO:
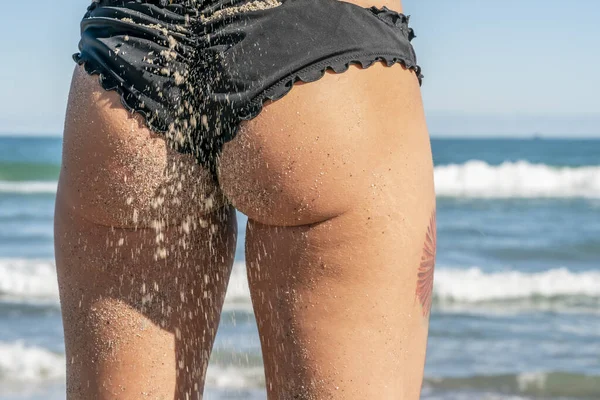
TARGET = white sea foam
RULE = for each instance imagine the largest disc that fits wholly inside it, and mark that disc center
(28, 279)
(28, 187)
(516, 180)
(234, 377)
(22, 363)
(474, 285)
(474, 178)
(238, 292)
(36, 280)
(25, 279)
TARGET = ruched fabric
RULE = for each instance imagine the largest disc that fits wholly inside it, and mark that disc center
(196, 69)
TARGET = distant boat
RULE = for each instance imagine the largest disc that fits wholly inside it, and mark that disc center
(537, 136)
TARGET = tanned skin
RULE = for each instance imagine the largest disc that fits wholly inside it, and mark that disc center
(337, 181)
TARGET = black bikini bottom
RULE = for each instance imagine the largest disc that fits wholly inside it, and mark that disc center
(195, 69)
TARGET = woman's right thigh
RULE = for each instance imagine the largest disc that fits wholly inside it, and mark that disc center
(337, 181)
(144, 248)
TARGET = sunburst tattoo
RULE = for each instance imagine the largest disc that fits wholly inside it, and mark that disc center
(425, 278)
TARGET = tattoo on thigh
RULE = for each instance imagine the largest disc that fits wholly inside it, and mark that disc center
(425, 276)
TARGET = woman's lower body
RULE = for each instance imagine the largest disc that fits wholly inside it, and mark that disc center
(337, 181)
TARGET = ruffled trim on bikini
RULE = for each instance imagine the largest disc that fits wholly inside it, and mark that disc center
(277, 91)
(135, 105)
(394, 18)
(317, 71)
(109, 83)
(314, 72)
(311, 73)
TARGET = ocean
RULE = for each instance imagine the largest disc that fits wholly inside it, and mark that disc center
(516, 310)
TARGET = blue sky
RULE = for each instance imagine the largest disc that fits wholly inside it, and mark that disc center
(492, 68)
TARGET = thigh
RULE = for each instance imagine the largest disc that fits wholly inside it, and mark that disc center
(144, 247)
(337, 180)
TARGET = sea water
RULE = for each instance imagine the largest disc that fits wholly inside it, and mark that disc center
(516, 311)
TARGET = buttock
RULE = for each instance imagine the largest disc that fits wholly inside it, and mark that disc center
(197, 69)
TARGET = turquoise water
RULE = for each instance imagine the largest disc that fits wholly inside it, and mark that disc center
(517, 287)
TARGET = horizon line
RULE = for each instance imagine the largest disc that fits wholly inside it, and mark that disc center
(433, 135)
